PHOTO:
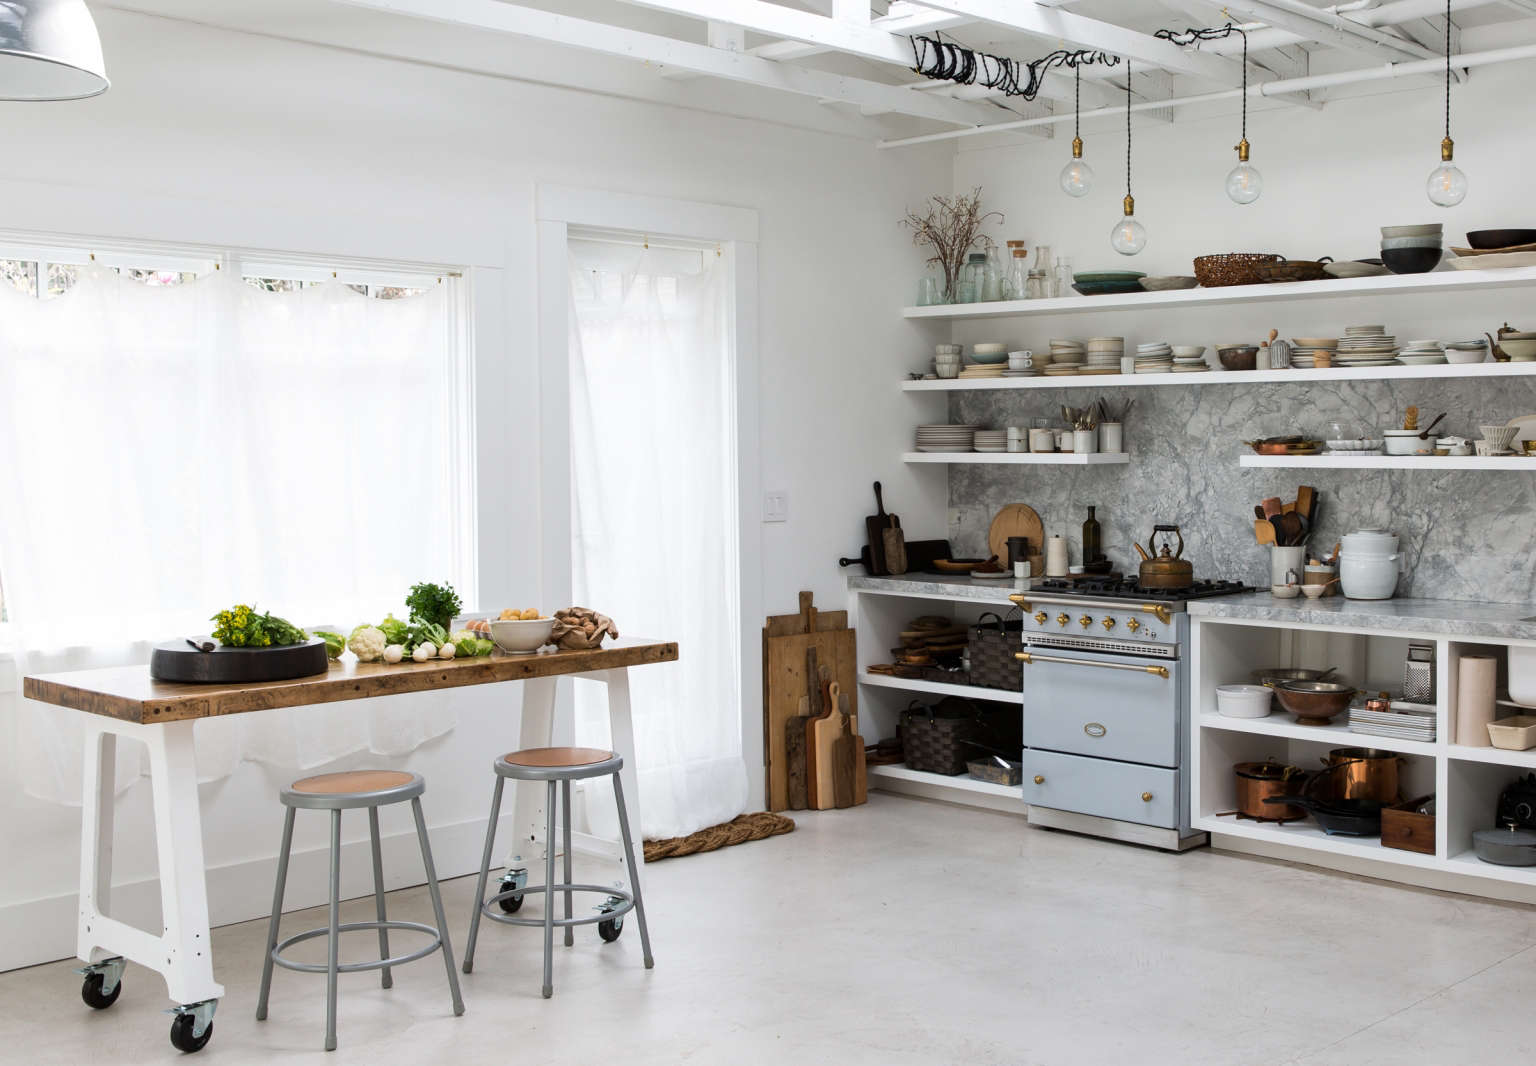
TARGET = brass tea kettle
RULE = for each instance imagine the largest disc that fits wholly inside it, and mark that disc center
(1493, 346)
(1165, 568)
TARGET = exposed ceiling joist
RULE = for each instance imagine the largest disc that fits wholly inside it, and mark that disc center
(1330, 29)
(1075, 30)
(612, 40)
(902, 18)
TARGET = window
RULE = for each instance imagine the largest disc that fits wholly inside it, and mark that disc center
(183, 429)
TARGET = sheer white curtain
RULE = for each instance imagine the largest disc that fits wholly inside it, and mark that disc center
(168, 451)
(654, 517)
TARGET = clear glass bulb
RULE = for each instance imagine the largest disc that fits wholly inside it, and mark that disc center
(1447, 185)
(1129, 236)
(1076, 178)
(1244, 183)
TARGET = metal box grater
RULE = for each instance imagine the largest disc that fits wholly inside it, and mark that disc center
(1419, 673)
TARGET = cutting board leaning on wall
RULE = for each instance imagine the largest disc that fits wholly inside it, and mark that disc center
(785, 641)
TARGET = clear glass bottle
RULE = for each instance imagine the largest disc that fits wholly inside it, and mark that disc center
(1044, 268)
(992, 277)
(1063, 277)
(930, 290)
(1016, 282)
(1034, 289)
(973, 278)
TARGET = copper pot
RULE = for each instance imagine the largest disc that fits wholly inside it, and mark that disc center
(1359, 774)
(1257, 781)
(1165, 569)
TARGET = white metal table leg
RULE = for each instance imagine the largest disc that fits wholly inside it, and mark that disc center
(182, 953)
(622, 728)
(528, 814)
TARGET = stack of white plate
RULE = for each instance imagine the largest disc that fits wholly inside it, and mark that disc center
(1189, 359)
(991, 440)
(1066, 352)
(1365, 346)
(946, 438)
(1104, 355)
(1421, 353)
(1154, 358)
(1304, 350)
(984, 370)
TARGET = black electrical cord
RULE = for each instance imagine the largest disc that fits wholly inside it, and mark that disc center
(934, 57)
(1127, 129)
(1184, 38)
(1447, 69)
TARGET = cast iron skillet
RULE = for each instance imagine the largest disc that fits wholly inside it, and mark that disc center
(1355, 818)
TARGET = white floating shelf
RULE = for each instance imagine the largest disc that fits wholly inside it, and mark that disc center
(1308, 834)
(1336, 732)
(1393, 462)
(1497, 756)
(943, 688)
(1390, 285)
(1291, 375)
(1036, 458)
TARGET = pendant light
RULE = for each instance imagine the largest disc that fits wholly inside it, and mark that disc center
(49, 50)
(1129, 236)
(1244, 182)
(1447, 185)
(1077, 176)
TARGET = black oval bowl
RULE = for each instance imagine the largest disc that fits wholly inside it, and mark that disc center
(1487, 239)
(1411, 260)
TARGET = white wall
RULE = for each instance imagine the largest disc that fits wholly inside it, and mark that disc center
(230, 138)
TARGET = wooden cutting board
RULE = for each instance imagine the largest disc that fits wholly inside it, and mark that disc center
(820, 737)
(1018, 520)
(785, 682)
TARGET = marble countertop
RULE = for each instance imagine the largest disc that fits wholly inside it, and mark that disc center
(938, 586)
(1467, 618)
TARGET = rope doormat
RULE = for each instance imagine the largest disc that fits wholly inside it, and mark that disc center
(738, 830)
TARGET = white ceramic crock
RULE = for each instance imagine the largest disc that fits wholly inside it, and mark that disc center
(1369, 577)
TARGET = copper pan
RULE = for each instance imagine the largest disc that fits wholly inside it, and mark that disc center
(1257, 781)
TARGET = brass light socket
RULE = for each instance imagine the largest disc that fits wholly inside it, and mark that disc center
(1242, 150)
(1447, 150)
(1130, 206)
(1077, 148)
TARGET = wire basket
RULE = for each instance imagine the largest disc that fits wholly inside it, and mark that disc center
(1232, 268)
(935, 739)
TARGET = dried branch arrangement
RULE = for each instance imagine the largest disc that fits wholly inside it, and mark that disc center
(951, 226)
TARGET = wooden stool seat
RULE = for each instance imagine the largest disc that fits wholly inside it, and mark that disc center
(557, 757)
(352, 781)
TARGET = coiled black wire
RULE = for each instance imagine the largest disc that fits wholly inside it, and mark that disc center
(933, 57)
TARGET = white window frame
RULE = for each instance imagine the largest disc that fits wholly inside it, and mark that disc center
(562, 209)
(46, 249)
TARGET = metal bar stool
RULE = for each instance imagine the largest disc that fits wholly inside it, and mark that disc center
(335, 793)
(562, 766)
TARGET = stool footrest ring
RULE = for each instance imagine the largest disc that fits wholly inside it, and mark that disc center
(355, 967)
(492, 911)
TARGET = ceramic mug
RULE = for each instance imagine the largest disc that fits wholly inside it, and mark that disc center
(1021, 360)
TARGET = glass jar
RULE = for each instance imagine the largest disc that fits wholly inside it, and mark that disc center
(1034, 287)
(1044, 267)
(1063, 276)
(1016, 282)
(992, 278)
(973, 278)
(930, 289)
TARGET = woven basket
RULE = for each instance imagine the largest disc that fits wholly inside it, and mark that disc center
(1233, 268)
(933, 739)
(993, 646)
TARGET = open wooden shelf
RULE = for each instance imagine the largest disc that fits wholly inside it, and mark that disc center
(1390, 285)
(1024, 458)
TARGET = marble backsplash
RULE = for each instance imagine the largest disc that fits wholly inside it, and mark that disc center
(1468, 535)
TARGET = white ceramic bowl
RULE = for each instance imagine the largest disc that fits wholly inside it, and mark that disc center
(1499, 437)
(1354, 445)
(1369, 542)
(1465, 355)
(1312, 592)
(1392, 244)
(1285, 592)
(1368, 577)
(1429, 229)
(1243, 701)
(948, 349)
(989, 348)
(1402, 441)
(517, 637)
(1188, 351)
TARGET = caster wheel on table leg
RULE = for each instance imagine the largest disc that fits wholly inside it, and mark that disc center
(512, 904)
(610, 929)
(94, 997)
(181, 1034)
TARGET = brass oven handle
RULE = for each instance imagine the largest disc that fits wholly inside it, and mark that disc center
(1039, 779)
(1163, 614)
(1021, 601)
(1030, 658)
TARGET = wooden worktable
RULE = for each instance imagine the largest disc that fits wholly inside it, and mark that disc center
(129, 694)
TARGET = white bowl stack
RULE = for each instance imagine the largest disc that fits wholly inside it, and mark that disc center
(1466, 351)
(947, 438)
(991, 440)
(1104, 355)
(1066, 358)
(947, 360)
(1189, 359)
(1155, 357)
(1365, 346)
(1421, 353)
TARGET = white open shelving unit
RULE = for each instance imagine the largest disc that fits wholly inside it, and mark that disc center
(1021, 458)
(1231, 377)
(1391, 462)
(1389, 285)
(1465, 780)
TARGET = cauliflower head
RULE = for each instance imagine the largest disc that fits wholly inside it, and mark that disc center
(367, 643)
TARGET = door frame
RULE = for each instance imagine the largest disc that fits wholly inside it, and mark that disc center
(735, 229)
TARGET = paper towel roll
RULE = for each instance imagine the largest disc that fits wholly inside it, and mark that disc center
(1055, 556)
(1477, 676)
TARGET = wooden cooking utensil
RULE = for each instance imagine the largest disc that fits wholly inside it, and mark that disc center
(1263, 532)
(1272, 506)
(1304, 501)
(1018, 520)
(842, 756)
(875, 526)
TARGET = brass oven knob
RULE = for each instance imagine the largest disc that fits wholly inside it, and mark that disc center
(1085, 621)
(1040, 617)
(1146, 797)
(1108, 624)
(1062, 619)
(1039, 779)
(1133, 625)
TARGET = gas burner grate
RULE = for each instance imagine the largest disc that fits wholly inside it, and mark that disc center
(1116, 587)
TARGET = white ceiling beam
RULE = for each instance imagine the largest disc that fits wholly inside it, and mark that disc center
(853, 12)
(611, 40)
(1058, 25)
(775, 20)
(1336, 31)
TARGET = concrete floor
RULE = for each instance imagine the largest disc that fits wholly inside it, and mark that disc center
(902, 932)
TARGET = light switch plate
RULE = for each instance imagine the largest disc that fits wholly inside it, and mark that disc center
(776, 506)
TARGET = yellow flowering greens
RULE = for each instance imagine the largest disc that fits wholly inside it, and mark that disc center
(244, 627)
